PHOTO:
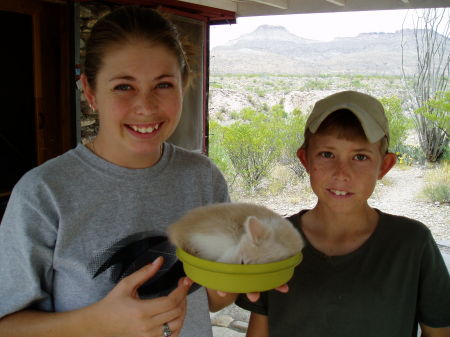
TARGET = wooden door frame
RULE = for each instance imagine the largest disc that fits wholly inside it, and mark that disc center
(54, 116)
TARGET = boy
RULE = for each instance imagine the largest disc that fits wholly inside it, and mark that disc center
(364, 273)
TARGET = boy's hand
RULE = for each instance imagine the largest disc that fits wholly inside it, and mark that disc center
(253, 297)
(218, 300)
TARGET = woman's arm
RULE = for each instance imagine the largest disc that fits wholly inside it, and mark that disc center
(28, 323)
(120, 313)
(258, 326)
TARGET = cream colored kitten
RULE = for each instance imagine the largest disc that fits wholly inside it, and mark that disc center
(236, 233)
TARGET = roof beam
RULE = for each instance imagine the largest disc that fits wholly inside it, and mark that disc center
(282, 4)
(228, 5)
(337, 2)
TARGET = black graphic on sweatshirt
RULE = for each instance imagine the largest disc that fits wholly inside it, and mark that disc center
(130, 254)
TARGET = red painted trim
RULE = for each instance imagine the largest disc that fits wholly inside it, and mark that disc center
(205, 134)
(182, 13)
(212, 14)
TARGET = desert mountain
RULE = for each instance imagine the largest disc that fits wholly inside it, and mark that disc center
(273, 49)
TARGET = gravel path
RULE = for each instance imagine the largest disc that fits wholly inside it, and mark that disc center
(398, 193)
(401, 196)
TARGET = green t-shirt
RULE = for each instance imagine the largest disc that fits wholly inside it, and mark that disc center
(396, 279)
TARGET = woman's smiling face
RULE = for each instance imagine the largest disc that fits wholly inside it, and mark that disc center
(139, 96)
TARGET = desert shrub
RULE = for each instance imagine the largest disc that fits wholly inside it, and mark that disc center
(437, 188)
(399, 123)
(433, 123)
(292, 140)
(265, 107)
(404, 159)
(221, 114)
(278, 115)
(278, 180)
(234, 115)
(217, 152)
(252, 146)
(316, 84)
(446, 155)
(356, 82)
(260, 92)
(216, 85)
(437, 193)
(251, 100)
(437, 111)
(411, 154)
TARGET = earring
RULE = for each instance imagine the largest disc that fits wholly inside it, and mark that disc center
(92, 108)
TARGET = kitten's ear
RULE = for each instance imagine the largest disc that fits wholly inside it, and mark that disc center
(256, 230)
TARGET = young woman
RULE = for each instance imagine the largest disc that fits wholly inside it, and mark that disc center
(77, 228)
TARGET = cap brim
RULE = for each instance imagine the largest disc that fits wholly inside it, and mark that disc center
(373, 131)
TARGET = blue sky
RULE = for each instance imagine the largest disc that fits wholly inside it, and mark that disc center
(322, 27)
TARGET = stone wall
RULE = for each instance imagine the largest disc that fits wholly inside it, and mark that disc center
(89, 14)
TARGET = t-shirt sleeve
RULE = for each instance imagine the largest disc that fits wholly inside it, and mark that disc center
(434, 287)
(27, 238)
(220, 186)
(259, 307)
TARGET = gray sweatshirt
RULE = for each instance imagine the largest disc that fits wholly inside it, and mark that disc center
(67, 217)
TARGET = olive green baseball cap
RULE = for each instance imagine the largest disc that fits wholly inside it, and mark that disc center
(367, 109)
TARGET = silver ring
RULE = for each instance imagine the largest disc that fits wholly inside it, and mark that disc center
(166, 330)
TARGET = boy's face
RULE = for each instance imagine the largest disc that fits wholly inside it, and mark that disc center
(343, 173)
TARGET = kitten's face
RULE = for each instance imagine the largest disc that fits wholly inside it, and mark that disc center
(267, 251)
(258, 244)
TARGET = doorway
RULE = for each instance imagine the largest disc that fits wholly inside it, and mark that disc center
(17, 125)
(37, 104)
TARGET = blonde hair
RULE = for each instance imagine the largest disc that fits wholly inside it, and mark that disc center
(128, 23)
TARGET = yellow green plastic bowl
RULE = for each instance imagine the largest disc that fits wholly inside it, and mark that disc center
(238, 278)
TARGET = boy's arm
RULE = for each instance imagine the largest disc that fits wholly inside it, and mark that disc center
(258, 326)
(219, 300)
(434, 332)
